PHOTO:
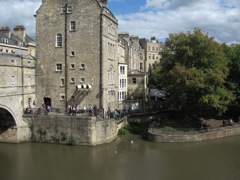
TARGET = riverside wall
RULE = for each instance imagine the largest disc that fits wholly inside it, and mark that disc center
(214, 134)
(72, 129)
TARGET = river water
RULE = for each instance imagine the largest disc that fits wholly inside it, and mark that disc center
(126, 158)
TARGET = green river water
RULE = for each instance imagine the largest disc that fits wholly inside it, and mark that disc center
(126, 158)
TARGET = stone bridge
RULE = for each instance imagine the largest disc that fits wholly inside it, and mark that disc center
(12, 127)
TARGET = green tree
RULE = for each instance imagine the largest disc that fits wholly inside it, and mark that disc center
(193, 70)
(233, 53)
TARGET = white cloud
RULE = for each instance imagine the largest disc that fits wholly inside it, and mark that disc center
(19, 12)
(161, 17)
(218, 18)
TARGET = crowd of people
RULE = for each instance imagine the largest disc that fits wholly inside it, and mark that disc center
(74, 109)
(116, 113)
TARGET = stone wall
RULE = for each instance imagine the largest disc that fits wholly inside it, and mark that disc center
(72, 130)
(220, 133)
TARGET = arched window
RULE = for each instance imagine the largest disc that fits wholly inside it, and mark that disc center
(59, 40)
(111, 75)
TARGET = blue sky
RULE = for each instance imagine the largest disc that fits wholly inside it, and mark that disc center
(119, 7)
(147, 18)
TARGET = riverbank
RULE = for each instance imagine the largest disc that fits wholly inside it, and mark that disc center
(192, 135)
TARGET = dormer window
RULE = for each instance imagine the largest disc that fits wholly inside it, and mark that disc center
(5, 41)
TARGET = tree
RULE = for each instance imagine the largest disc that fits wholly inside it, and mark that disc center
(233, 53)
(193, 70)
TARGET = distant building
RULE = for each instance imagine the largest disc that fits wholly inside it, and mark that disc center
(152, 50)
(16, 42)
(122, 70)
(137, 85)
(77, 62)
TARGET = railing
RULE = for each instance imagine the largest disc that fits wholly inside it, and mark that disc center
(58, 111)
(156, 129)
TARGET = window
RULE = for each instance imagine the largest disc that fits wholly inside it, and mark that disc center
(59, 67)
(72, 66)
(122, 70)
(62, 97)
(122, 96)
(153, 48)
(149, 56)
(69, 9)
(141, 66)
(5, 41)
(111, 51)
(134, 80)
(72, 80)
(29, 80)
(73, 26)
(62, 82)
(6, 50)
(63, 10)
(13, 80)
(82, 66)
(59, 40)
(156, 48)
(111, 96)
(149, 48)
(111, 76)
(153, 56)
(72, 97)
(123, 83)
(1, 50)
(82, 80)
(29, 102)
(72, 53)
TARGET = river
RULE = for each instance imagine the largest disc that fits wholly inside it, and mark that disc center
(126, 158)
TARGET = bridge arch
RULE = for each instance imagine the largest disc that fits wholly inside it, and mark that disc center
(8, 118)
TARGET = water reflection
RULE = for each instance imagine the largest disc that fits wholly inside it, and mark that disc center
(126, 158)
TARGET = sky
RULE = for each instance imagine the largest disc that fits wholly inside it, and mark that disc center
(147, 18)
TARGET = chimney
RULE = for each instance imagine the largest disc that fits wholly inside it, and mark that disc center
(104, 3)
(6, 30)
(19, 31)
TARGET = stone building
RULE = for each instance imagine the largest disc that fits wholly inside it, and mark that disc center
(17, 91)
(122, 70)
(77, 42)
(137, 78)
(135, 53)
(16, 42)
(152, 50)
(17, 84)
(137, 84)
